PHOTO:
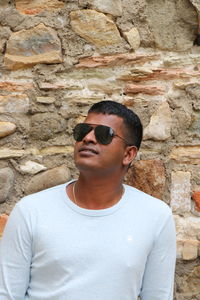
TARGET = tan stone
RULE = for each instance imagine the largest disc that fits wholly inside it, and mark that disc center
(18, 103)
(6, 128)
(186, 154)
(113, 7)
(12, 153)
(95, 27)
(26, 48)
(48, 179)
(144, 89)
(190, 249)
(187, 227)
(16, 86)
(45, 100)
(159, 128)
(3, 221)
(180, 192)
(133, 38)
(115, 60)
(36, 6)
(148, 176)
(161, 74)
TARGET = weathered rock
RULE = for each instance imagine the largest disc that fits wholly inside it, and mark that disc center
(180, 192)
(190, 249)
(26, 48)
(18, 103)
(196, 198)
(195, 125)
(95, 27)
(115, 60)
(161, 74)
(162, 20)
(144, 89)
(6, 128)
(48, 179)
(15, 86)
(159, 128)
(36, 6)
(148, 176)
(45, 100)
(4, 35)
(113, 7)
(6, 183)
(31, 167)
(13, 153)
(45, 125)
(187, 227)
(133, 38)
(186, 154)
(3, 221)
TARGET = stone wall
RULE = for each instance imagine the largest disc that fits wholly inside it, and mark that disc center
(59, 57)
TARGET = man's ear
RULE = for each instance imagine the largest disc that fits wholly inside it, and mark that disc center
(129, 155)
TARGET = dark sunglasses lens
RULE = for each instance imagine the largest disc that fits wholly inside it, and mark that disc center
(104, 134)
(80, 131)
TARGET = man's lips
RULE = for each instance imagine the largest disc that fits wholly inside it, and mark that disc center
(88, 150)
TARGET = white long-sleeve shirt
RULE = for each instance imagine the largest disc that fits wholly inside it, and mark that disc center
(53, 249)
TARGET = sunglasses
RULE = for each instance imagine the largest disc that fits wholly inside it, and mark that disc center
(103, 134)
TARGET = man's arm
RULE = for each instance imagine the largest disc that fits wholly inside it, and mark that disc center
(15, 257)
(159, 272)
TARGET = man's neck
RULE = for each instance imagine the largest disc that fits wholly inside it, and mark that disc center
(96, 193)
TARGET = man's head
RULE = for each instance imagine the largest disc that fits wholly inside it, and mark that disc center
(108, 139)
(131, 120)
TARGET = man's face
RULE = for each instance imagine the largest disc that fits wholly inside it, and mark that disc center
(89, 155)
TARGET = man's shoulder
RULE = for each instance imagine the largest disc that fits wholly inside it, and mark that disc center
(146, 202)
(42, 198)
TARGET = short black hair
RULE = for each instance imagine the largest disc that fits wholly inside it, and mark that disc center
(131, 120)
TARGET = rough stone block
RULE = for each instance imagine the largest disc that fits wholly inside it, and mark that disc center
(45, 100)
(148, 176)
(6, 183)
(36, 6)
(31, 167)
(144, 89)
(6, 128)
(18, 103)
(26, 48)
(115, 60)
(190, 249)
(95, 27)
(159, 128)
(113, 7)
(3, 221)
(133, 38)
(48, 179)
(186, 154)
(15, 86)
(180, 192)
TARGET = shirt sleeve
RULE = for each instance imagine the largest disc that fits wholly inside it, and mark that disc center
(15, 257)
(158, 279)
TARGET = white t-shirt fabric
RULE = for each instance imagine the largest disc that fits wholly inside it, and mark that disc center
(53, 249)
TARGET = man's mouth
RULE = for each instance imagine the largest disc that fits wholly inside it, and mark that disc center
(88, 150)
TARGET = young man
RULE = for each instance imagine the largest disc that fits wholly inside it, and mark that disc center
(93, 238)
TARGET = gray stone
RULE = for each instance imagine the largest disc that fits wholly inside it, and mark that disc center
(6, 183)
(48, 179)
(113, 7)
(45, 125)
(31, 167)
(18, 103)
(174, 24)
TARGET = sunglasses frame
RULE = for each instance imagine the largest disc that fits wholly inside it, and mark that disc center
(95, 127)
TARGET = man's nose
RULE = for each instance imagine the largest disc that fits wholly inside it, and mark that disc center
(90, 137)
